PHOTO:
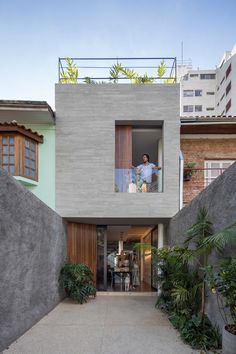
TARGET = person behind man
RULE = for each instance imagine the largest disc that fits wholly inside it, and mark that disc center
(145, 171)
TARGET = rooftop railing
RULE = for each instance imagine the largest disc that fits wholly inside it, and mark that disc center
(117, 70)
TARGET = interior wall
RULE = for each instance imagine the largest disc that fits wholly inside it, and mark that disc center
(145, 141)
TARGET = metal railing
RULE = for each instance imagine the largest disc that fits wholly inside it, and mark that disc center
(97, 70)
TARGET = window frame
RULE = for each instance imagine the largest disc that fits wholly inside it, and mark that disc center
(208, 178)
(198, 110)
(19, 154)
(187, 111)
(199, 90)
(188, 95)
(208, 76)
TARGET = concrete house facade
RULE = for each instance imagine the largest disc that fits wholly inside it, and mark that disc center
(97, 134)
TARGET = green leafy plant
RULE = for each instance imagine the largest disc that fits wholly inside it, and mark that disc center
(223, 284)
(118, 70)
(189, 170)
(71, 73)
(89, 80)
(77, 280)
(161, 69)
(200, 333)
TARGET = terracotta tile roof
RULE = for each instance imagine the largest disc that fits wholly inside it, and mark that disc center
(15, 127)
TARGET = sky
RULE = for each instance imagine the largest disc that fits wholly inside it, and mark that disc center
(33, 34)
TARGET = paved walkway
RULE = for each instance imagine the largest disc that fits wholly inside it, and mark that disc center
(106, 325)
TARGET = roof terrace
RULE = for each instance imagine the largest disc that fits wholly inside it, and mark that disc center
(117, 70)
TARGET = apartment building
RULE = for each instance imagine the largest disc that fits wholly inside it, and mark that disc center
(210, 92)
(197, 93)
(226, 84)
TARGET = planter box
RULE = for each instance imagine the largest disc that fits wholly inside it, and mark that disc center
(228, 342)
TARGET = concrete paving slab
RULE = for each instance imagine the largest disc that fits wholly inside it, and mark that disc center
(105, 325)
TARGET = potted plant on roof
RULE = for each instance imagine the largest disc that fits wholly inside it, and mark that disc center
(189, 170)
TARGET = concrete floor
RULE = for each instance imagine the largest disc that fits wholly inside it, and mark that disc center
(106, 325)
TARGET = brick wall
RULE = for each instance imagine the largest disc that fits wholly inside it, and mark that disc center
(198, 150)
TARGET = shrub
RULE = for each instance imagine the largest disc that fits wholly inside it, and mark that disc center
(77, 280)
(200, 333)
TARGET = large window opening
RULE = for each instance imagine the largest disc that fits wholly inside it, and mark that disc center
(139, 159)
(120, 266)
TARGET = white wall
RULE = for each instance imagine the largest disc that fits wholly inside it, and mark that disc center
(195, 83)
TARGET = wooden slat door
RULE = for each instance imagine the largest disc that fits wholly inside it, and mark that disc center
(123, 146)
(82, 245)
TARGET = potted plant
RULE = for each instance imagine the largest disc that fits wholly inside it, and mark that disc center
(77, 280)
(189, 170)
(223, 284)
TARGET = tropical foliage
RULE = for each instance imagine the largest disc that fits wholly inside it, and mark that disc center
(77, 280)
(70, 73)
(118, 71)
(183, 276)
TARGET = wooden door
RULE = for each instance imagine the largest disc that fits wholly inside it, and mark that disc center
(123, 146)
(82, 245)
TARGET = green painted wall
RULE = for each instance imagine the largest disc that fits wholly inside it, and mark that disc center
(45, 190)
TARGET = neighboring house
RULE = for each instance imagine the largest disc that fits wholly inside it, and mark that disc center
(27, 146)
(210, 92)
(209, 142)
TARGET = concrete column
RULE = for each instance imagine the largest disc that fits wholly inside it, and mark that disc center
(160, 235)
(160, 245)
(181, 179)
(160, 163)
(120, 246)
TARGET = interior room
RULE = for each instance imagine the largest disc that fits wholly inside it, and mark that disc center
(126, 267)
(132, 142)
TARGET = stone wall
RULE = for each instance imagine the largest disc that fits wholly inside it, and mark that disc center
(220, 200)
(32, 252)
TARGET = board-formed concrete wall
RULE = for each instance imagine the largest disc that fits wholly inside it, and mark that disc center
(219, 198)
(85, 149)
(32, 252)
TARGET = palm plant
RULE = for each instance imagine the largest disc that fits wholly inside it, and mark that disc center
(221, 239)
(118, 70)
(198, 233)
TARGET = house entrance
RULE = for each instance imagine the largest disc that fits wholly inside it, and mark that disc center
(120, 265)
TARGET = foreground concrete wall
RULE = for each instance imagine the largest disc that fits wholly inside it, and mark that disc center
(32, 251)
(220, 200)
(85, 149)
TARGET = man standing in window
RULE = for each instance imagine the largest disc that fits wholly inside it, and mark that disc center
(144, 174)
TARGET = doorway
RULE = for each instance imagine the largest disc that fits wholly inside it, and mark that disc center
(120, 265)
